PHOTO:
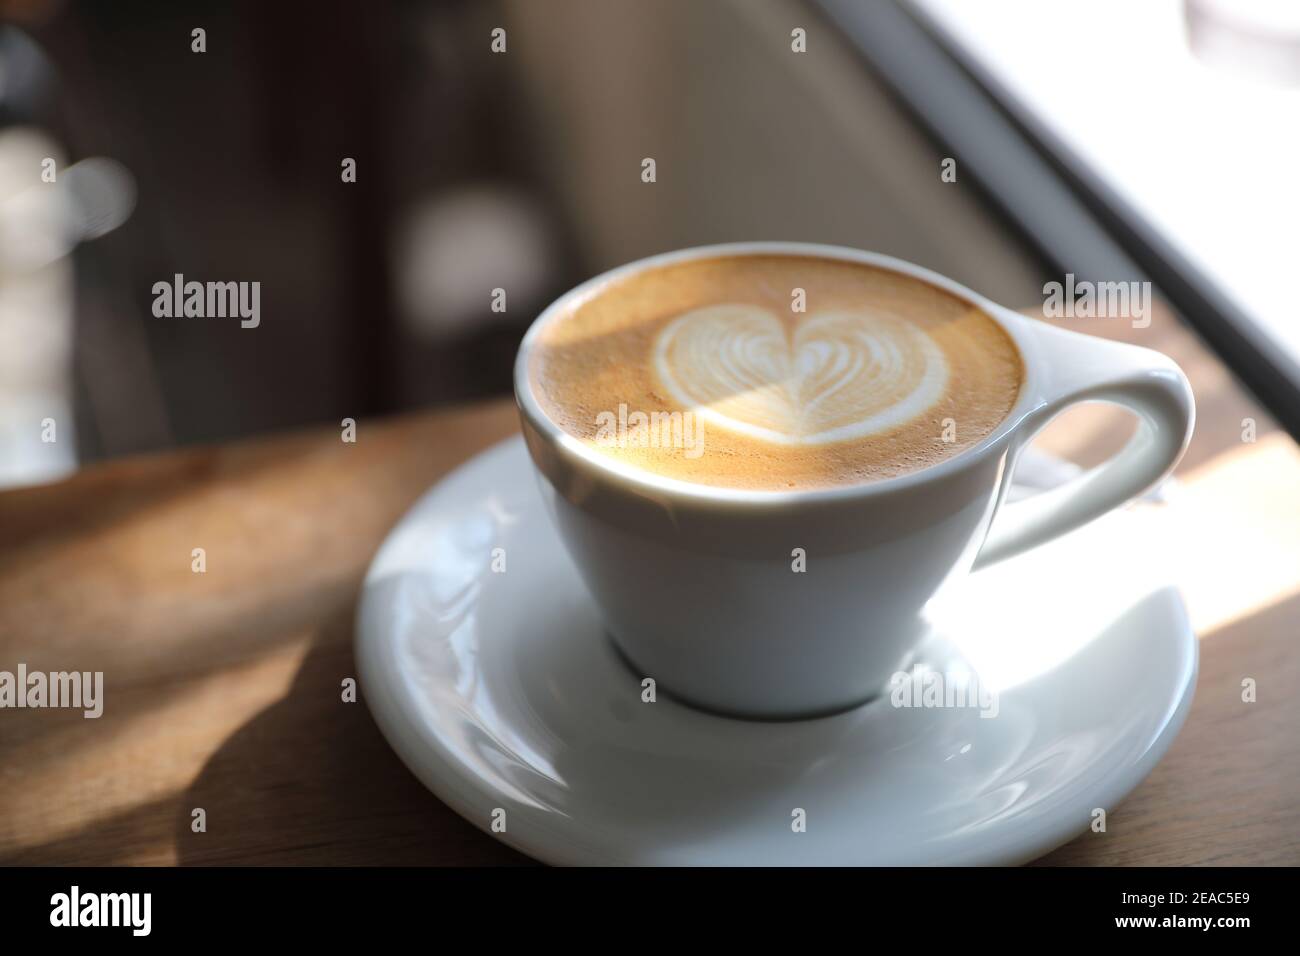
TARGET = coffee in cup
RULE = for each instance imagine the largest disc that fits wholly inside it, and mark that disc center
(856, 458)
(799, 372)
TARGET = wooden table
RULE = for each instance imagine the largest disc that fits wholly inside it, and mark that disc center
(223, 688)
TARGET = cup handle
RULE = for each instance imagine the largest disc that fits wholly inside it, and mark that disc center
(1073, 368)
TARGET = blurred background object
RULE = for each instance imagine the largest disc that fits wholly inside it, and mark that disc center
(1257, 38)
(486, 183)
(1174, 123)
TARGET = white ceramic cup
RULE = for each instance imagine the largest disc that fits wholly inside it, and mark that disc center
(696, 584)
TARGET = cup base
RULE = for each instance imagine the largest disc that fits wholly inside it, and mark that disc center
(733, 713)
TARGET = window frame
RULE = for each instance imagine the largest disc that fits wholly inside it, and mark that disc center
(1067, 213)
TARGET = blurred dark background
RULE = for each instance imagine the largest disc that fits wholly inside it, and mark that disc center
(475, 170)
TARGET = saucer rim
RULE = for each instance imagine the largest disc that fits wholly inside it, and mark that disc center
(448, 778)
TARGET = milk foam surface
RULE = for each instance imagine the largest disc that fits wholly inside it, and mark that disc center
(839, 375)
(883, 374)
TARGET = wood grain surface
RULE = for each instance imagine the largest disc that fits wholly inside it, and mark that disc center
(223, 688)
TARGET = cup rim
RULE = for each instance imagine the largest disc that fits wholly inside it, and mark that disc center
(646, 482)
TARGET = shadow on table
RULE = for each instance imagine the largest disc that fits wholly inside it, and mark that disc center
(311, 781)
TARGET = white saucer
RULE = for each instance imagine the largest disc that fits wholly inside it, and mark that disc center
(500, 691)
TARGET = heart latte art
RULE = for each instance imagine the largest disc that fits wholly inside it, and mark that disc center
(841, 375)
(702, 371)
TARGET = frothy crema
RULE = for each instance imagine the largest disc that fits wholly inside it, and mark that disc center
(707, 372)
